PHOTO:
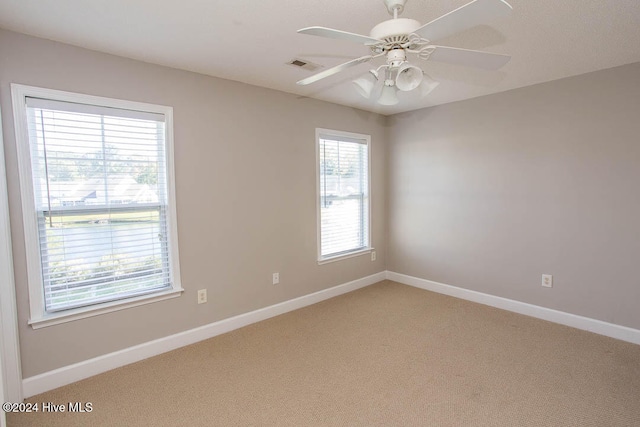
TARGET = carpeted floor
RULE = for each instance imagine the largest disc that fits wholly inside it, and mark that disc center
(384, 355)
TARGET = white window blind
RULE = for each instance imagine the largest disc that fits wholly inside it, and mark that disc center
(100, 191)
(344, 194)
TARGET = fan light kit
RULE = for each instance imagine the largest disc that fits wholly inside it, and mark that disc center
(397, 37)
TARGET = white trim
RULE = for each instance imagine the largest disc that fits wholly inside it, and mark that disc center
(623, 333)
(349, 137)
(80, 98)
(3, 418)
(10, 366)
(108, 307)
(37, 316)
(345, 256)
(76, 372)
(29, 220)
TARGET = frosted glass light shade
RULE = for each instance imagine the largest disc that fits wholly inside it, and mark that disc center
(409, 77)
(388, 96)
(364, 85)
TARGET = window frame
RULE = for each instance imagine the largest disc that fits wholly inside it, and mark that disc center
(337, 134)
(38, 317)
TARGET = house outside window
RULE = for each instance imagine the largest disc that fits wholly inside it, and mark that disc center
(344, 225)
(98, 203)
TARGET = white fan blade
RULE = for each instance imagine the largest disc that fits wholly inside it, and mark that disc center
(471, 14)
(335, 70)
(469, 58)
(338, 34)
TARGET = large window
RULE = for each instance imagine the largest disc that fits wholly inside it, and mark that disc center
(97, 192)
(343, 199)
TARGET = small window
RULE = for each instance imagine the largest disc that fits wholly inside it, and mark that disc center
(343, 194)
(99, 212)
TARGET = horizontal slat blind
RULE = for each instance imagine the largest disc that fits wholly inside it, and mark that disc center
(344, 198)
(100, 189)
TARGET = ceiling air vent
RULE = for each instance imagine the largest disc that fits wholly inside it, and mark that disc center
(304, 64)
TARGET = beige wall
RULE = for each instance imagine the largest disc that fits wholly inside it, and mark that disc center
(490, 193)
(246, 195)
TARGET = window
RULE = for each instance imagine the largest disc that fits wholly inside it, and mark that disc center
(98, 205)
(343, 199)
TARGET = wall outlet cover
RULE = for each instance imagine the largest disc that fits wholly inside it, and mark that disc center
(202, 296)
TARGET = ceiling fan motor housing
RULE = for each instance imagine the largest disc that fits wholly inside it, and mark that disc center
(395, 30)
(395, 57)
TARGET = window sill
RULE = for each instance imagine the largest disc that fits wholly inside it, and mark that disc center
(359, 252)
(96, 310)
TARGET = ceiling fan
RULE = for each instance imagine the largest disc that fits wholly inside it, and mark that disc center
(397, 37)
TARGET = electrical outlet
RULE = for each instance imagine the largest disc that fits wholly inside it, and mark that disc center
(547, 280)
(276, 278)
(373, 255)
(202, 296)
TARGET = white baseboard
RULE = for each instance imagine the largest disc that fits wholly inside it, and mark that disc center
(88, 368)
(585, 323)
(78, 371)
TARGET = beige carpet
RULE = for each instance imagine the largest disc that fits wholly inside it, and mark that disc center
(385, 355)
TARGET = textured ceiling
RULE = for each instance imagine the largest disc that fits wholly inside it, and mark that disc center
(252, 40)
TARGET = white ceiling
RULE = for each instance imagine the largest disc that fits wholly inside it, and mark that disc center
(252, 40)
